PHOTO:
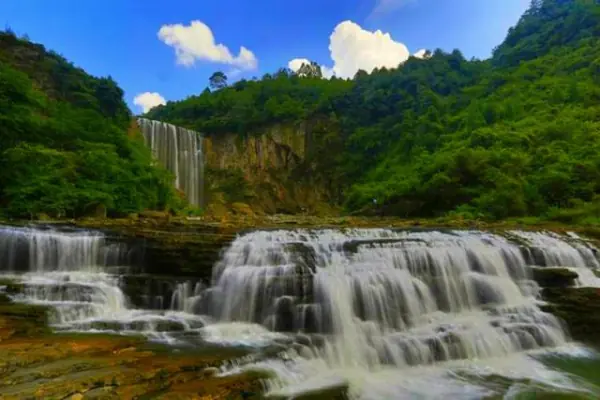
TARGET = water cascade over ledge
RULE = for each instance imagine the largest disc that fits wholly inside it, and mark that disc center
(180, 151)
(350, 306)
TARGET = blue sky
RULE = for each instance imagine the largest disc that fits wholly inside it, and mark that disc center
(121, 37)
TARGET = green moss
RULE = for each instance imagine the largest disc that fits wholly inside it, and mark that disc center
(10, 286)
(25, 319)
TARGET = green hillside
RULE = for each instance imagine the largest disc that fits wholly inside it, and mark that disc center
(67, 145)
(515, 135)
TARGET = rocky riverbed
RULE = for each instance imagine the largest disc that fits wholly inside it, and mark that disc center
(165, 258)
(38, 364)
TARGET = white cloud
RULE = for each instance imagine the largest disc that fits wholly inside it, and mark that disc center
(147, 100)
(196, 42)
(327, 72)
(353, 48)
(296, 63)
(421, 54)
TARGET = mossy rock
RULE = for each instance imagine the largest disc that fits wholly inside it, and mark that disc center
(554, 277)
(242, 209)
(579, 308)
(22, 320)
(161, 215)
(11, 287)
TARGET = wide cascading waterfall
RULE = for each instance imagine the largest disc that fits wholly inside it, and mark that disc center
(391, 314)
(373, 299)
(180, 151)
(78, 274)
(65, 270)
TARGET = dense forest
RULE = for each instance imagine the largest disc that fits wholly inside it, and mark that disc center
(515, 135)
(512, 136)
(67, 144)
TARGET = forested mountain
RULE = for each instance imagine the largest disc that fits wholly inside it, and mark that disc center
(67, 144)
(515, 135)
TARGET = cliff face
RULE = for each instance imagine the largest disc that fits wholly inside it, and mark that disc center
(266, 172)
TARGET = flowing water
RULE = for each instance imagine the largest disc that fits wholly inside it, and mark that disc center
(180, 151)
(389, 314)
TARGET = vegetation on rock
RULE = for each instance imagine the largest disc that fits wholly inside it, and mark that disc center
(67, 144)
(515, 135)
(35, 363)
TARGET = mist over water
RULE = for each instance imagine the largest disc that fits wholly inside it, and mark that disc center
(392, 314)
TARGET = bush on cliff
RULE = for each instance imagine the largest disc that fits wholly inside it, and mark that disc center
(515, 135)
(64, 143)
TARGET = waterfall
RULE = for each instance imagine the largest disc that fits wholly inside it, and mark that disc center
(180, 151)
(338, 307)
(46, 250)
(72, 271)
(373, 299)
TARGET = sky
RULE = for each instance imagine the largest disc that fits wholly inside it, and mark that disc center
(166, 50)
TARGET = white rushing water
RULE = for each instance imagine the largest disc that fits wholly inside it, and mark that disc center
(69, 272)
(391, 314)
(364, 304)
(180, 151)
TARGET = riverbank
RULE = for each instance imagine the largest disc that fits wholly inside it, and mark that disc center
(233, 223)
(38, 364)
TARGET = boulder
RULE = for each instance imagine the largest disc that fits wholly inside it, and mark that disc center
(554, 277)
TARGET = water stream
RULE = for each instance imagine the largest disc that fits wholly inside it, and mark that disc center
(390, 314)
(180, 151)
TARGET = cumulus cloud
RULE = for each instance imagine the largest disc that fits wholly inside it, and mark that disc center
(296, 63)
(146, 101)
(196, 42)
(353, 48)
(423, 53)
(327, 72)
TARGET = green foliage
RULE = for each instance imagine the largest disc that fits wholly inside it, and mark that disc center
(218, 80)
(64, 143)
(247, 106)
(546, 25)
(514, 136)
(231, 182)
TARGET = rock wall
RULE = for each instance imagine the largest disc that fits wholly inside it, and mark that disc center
(280, 146)
(264, 172)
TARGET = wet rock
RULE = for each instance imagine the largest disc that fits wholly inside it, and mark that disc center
(169, 326)
(284, 314)
(10, 286)
(35, 363)
(210, 372)
(579, 308)
(554, 277)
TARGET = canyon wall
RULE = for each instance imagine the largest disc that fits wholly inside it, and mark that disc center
(270, 171)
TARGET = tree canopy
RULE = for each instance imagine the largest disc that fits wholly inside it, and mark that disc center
(67, 143)
(515, 135)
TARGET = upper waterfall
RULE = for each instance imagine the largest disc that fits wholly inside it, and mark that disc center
(180, 151)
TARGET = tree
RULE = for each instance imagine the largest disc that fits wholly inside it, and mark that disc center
(218, 80)
(311, 70)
